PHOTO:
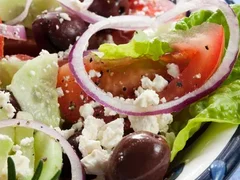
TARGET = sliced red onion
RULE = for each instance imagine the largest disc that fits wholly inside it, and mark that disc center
(13, 32)
(76, 167)
(22, 16)
(78, 69)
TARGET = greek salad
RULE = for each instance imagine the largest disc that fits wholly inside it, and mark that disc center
(112, 89)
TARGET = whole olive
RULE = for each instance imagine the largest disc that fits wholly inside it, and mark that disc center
(110, 7)
(55, 31)
(139, 156)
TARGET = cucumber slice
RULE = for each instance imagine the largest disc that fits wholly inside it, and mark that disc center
(34, 87)
(50, 151)
(9, 11)
(6, 145)
(24, 138)
(8, 69)
(37, 7)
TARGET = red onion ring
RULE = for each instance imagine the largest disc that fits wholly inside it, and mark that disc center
(13, 32)
(76, 167)
(21, 16)
(78, 69)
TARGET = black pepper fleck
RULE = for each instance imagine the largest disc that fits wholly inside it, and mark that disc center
(179, 84)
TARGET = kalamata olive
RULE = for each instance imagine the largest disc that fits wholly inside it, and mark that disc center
(110, 7)
(139, 156)
(66, 170)
(55, 31)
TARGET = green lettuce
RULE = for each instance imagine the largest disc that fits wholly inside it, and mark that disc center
(221, 107)
(139, 46)
(202, 16)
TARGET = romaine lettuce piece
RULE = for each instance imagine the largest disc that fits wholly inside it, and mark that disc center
(221, 107)
(139, 46)
(34, 87)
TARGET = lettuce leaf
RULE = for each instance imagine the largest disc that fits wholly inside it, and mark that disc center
(221, 107)
(224, 104)
(202, 16)
(139, 46)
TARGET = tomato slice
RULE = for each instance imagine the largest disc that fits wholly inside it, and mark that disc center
(205, 53)
(73, 97)
(114, 79)
(198, 58)
(1, 44)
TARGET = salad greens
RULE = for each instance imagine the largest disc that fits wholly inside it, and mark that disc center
(139, 46)
(223, 105)
(33, 84)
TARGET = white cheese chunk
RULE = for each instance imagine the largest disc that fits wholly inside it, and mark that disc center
(96, 162)
(86, 110)
(158, 83)
(87, 146)
(173, 70)
(111, 134)
(22, 165)
(92, 126)
(147, 98)
(164, 120)
(144, 123)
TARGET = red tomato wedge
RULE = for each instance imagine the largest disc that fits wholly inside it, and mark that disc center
(114, 79)
(1, 43)
(73, 97)
(205, 54)
(198, 57)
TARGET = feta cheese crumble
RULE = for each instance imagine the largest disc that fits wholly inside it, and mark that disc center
(86, 110)
(111, 134)
(147, 98)
(173, 70)
(92, 73)
(96, 162)
(92, 126)
(5, 104)
(158, 83)
(144, 123)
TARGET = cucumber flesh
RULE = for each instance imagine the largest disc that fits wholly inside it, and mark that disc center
(6, 145)
(50, 151)
(34, 87)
